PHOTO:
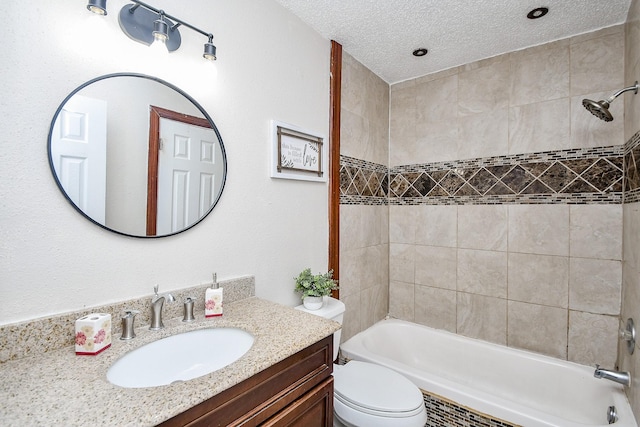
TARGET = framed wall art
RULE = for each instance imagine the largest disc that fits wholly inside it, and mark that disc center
(297, 153)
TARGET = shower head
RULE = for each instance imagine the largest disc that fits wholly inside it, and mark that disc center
(600, 109)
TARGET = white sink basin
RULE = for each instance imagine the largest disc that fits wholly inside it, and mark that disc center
(180, 357)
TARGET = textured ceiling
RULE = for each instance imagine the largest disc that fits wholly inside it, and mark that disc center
(382, 34)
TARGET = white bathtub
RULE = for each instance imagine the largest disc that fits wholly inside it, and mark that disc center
(513, 385)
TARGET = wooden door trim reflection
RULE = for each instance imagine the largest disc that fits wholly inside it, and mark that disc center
(155, 114)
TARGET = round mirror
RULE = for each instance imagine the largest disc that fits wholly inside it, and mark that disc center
(137, 155)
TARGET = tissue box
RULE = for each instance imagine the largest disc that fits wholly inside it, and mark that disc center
(93, 334)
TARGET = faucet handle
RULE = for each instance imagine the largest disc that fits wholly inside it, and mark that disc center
(128, 320)
(188, 310)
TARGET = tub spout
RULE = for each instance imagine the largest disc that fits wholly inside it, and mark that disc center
(623, 378)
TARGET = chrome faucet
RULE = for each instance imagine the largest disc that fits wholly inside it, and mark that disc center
(156, 309)
(623, 378)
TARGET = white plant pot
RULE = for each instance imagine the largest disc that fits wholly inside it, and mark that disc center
(313, 303)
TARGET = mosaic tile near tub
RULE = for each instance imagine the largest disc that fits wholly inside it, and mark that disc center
(445, 413)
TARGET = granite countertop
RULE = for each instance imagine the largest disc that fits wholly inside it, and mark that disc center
(62, 389)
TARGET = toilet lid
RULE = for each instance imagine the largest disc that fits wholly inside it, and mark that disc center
(376, 388)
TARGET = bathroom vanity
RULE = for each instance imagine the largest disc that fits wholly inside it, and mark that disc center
(283, 380)
(297, 391)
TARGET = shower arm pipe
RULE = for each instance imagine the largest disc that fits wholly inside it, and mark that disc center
(621, 91)
(178, 21)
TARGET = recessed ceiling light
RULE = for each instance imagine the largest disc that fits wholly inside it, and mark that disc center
(538, 12)
(420, 52)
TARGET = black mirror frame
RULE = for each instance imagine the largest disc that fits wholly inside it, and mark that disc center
(169, 85)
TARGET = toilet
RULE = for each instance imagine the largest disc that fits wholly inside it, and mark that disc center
(366, 394)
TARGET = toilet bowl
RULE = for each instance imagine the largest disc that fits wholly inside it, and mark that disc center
(366, 394)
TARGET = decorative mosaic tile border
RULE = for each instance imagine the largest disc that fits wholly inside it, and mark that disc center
(442, 412)
(632, 169)
(602, 175)
(362, 182)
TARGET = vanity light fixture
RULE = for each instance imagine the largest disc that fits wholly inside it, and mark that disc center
(209, 50)
(148, 25)
(160, 30)
(97, 6)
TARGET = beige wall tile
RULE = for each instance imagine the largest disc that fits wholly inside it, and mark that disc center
(402, 223)
(615, 29)
(402, 126)
(595, 285)
(436, 76)
(543, 126)
(484, 89)
(482, 227)
(436, 141)
(354, 95)
(437, 110)
(435, 308)
(632, 72)
(401, 300)
(539, 229)
(482, 317)
(374, 225)
(436, 267)
(630, 240)
(539, 279)
(354, 135)
(483, 135)
(375, 305)
(593, 338)
(383, 217)
(351, 271)
(436, 225)
(538, 328)
(351, 321)
(482, 272)
(540, 73)
(597, 64)
(596, 231)
(401, 262)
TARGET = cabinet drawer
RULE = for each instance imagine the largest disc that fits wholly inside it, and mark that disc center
(314, 409)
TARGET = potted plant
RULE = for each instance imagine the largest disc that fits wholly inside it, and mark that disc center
(313, 287)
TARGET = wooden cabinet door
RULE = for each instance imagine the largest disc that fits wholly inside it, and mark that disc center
(314, 409)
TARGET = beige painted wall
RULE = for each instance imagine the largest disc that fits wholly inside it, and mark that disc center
(52, 260)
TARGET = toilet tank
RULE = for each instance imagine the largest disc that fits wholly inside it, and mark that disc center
(332, 309)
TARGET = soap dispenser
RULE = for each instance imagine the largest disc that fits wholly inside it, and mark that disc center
(213, 299)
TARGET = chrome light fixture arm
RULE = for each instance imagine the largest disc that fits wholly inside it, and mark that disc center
(146, 24)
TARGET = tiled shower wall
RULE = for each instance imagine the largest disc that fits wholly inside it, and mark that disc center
(631, 207)
(364, 235)
(514, 232)
(505, 216)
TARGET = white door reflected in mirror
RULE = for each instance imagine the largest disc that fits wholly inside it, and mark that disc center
(79, 153)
